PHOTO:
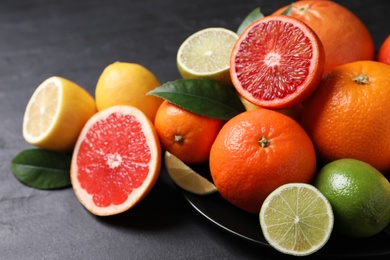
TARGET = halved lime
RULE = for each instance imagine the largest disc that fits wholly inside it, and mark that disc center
(206, 54)
(186, 178)
(296, 219)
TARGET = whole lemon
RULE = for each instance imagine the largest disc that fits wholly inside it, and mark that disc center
(123, 83)
(359, 195)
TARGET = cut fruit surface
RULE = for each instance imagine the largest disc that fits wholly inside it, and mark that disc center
(186, 178)
(56, 113)
(296, 219)
(206, 54)
(116, 160)
(277, 62)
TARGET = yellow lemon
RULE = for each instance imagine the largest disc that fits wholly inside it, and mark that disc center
(56, 113)
(123, 83)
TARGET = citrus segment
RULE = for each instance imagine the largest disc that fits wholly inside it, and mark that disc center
(116, 160)
(56, 113)
(277, 62)
(296, 219)
(124, 83)
(206, 53)
(186, 178)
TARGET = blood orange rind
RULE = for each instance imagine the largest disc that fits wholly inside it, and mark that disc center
(117, 147)
(277, 62)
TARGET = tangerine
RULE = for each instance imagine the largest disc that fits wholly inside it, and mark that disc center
(343, 34)
(116, 160)
(186, 135)
(277, 62)
(257, 151)
(348, 114)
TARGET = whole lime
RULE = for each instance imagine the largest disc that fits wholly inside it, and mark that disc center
(359, 195)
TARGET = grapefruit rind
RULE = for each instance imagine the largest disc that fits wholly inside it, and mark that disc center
(137, 194)
(303, 89)
(186, 178)
(289, 232)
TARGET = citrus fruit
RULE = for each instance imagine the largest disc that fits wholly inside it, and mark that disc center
(186, 178)
(384, 51)
(294, 112)
(116, 160)
(277, 62)
(205, 54)
(344, 36)
(186, 135)
(296, 219)
(56, 113)
(257, 151)
(359, 195)
(348, 114)
(123, 83)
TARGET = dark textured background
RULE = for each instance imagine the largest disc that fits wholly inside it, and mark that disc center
(76, 40)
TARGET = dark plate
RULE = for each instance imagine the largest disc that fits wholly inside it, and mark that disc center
(246, 226)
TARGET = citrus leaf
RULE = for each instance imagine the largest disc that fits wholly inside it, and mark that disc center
(201, 96)
(42, 169)
(288, 10)
(250, 18)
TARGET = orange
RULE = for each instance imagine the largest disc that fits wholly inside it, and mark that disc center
(257, 151)
(384, 51)
(277, 62)
(186, 135)
(116, 160)
(348, 115)
(343, 34)
(124, 83)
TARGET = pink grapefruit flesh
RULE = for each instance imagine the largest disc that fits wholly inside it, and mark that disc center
(116, 160)
(277, 62)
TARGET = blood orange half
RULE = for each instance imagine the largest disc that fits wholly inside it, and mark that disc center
(116, 160)
(277, 62)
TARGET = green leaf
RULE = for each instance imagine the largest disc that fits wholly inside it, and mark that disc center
(288, 10)
(250, 18)
(205, 97)
(42, 169)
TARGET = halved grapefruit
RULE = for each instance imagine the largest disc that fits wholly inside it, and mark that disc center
(116, 160)
(277, 62)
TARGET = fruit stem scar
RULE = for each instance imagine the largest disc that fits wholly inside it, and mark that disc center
(361, 79)
(179, 139)
(264, 142)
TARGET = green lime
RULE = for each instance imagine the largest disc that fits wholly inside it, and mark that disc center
(296, 219)
(359, 195)
(206, 54)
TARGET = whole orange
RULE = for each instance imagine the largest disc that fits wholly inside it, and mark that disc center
(348, 116)
(384, 51)
(186, 135)
(257, 151)
(344, 36)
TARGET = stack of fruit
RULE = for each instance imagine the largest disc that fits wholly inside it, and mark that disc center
(291, 114)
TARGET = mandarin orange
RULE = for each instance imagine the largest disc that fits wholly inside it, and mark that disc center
(348, 114)
(384, 51)
(186, 135)
(257, 151)
(343, 34)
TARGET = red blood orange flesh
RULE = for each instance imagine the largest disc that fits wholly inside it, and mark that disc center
(277, 62)
(116, 160)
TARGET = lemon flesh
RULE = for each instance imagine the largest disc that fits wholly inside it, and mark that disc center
(296, 219)
(206, 54)
(186, 178)
(56, 113)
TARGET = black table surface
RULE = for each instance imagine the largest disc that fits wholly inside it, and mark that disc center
(76, 40)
